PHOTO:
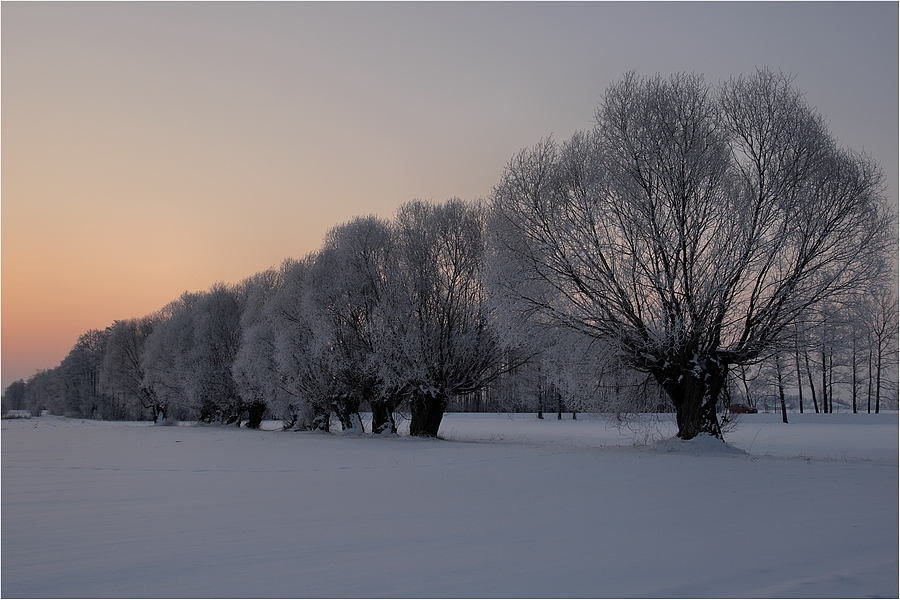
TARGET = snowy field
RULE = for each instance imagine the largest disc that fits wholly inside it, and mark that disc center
(505, 506)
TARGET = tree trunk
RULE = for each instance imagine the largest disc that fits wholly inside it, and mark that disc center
(878, 380)
(540, 399)
(694, 393)
(799, 376)
(289, 418)
(750, 401)
(784, 418)
(255, 412)
(383, 416)
(812, 388)
(559, 405)
(346, 407)
(321, 419)
(208, 412)
(831, 382)
(869, 387)
(427, 412)
(853, 378)
(314, 416)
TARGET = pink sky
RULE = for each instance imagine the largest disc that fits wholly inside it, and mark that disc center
(149, 149)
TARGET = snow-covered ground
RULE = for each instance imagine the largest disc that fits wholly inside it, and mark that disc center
(505, 506)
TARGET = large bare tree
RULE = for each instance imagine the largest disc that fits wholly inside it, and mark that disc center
(691, 227)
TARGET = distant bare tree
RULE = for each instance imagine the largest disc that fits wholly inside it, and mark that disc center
(883, 331)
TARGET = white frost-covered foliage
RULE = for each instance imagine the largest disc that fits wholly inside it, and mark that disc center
(344, 296)
(254, 370)
(122, 373)
(304, 365)
(80, 372)
(166, 354)
(189, 355)
(208, 376)
(442, 342)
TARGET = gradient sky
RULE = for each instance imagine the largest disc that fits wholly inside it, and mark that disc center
(149, 149)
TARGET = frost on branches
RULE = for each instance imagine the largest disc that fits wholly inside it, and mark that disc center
(691, 228)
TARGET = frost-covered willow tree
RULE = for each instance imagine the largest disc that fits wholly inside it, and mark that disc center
(254, 369)
(189, 355)
(347, 284)
(207, 374)
(691, 227)
(122, 371)
(305, 368)
(439, 341)
(166, 354)
(80, 373)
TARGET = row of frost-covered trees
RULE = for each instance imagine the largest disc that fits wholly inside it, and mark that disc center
(387, 316)
(701, 245)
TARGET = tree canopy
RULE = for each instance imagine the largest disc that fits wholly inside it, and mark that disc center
(691, 227)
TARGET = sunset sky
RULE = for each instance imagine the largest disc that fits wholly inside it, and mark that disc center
(153, 148)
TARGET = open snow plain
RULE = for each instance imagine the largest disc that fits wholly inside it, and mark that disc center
(505, 506)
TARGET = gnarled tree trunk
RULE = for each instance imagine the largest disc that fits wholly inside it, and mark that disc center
(346, 407)
(694, 391)
(255, 414)
(427, 412)
(383, 416)
(312, 416)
